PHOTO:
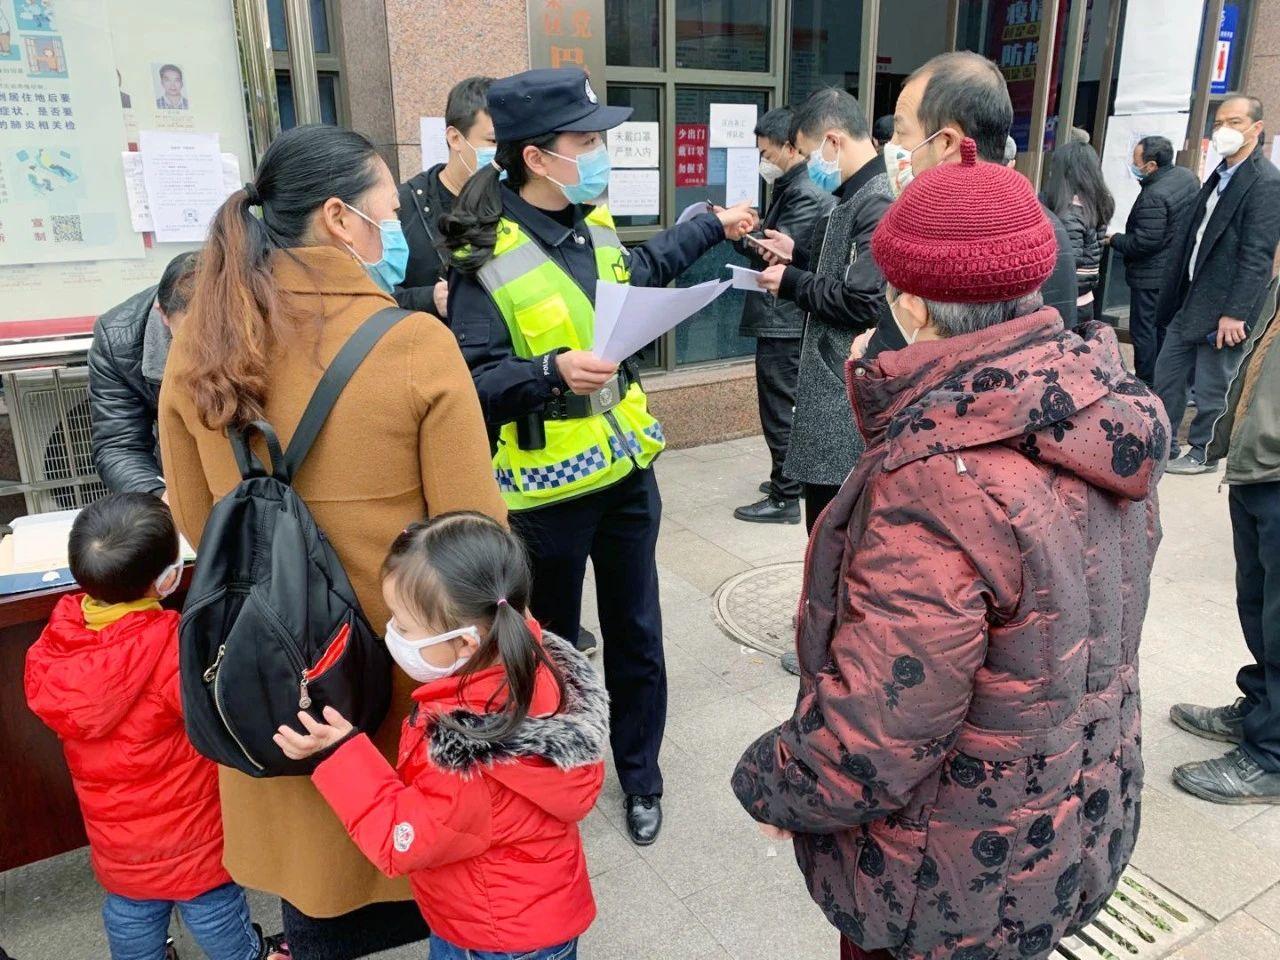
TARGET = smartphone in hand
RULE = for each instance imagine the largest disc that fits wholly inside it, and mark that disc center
(768, 247)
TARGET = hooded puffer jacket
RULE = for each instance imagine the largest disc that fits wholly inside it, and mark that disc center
(150, 802)
(486, 832)
(963, 771)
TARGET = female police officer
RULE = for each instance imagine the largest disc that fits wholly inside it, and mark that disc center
(573, 437)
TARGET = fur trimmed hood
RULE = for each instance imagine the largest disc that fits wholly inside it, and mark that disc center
(575, 736)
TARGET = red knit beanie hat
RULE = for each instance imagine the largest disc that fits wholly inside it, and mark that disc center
(966, 232)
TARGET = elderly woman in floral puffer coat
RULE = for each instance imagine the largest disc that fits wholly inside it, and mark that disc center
(962, 773)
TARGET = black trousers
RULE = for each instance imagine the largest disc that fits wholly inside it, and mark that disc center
(1255, 531)
(618, 529)
(1144, 333)
(360, 933)
(816, 498)
(777, 369)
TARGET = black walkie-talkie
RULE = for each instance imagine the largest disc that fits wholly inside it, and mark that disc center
(531, 432)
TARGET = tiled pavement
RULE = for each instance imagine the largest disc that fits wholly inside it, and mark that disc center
(711, 887)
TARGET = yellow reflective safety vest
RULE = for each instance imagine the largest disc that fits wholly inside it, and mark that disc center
(545, 310)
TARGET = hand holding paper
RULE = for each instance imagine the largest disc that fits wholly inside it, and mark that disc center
(745, 278)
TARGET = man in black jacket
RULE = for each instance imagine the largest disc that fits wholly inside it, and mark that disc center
(428, 196)
(1160, 212)
(834, 280)
(126, 364)
(796, 202)
(1218, 273)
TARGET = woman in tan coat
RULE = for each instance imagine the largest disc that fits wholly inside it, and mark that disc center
(275, 298)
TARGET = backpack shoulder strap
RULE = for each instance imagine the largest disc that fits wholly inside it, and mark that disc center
(335, 378)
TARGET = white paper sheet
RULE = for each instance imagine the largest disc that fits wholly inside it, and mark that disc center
(435, 149)
(628, 318)
(742, 176)
(1158, 56)
(635, 193)
(692, 210)
(733, 125)
(1123, 134)
(744, 278)
(231, 174)
(633, 144)
(185, 183)
(135, 188)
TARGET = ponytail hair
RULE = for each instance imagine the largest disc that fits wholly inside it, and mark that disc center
(237, 313)
(466, 568)
(472, 226)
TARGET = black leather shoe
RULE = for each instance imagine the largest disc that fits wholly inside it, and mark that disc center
(1234, 779)
(644, 819)
(587, 643)
(770, 510)
(1212, 723)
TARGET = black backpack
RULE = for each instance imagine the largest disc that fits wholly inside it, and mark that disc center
(271, 625)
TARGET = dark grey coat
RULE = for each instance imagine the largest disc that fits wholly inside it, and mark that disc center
(126, 365)
(1248, 434)
(843, 296)
(796, 204)
(1233, 265)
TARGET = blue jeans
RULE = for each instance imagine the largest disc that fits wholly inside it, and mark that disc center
(218, 920)
(444, 950)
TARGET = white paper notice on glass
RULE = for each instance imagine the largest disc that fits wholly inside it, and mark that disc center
(692, 210)
(628, 318)
(435, 149)
(633, 144)
(135, 190)
(634, 193)
(742, 176)
(1123, 134)
(231, 173)
(185, 183)
(744, 278)
(733, 125)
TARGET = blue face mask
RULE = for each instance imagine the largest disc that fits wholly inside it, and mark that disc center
(389, 270)
(593, 175)
(823, 172)
(484, 157)
(1138, 173)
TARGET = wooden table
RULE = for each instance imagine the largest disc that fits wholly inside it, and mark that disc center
(39, 814)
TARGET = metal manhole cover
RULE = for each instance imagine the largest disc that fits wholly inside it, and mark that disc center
(757, 607)
(1141, 921)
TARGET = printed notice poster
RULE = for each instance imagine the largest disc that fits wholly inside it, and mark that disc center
(733, 125)
(634, 193)
(742, 175)
(634, 144)
(691, 154)
(435, 149)
(1123, 134)
(60, 195)
(185, 183)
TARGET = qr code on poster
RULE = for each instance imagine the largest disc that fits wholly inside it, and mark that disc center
(66, 230)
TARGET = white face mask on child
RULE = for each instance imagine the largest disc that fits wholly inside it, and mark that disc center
(169, 579)
(408, 653)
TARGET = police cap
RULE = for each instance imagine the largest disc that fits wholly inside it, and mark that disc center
(538, 102)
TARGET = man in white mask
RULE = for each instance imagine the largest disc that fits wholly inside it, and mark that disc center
(795, 203)
(1220, 266)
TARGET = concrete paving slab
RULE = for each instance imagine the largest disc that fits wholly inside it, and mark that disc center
(1239, 937)
(1266, 909)
(646, 920)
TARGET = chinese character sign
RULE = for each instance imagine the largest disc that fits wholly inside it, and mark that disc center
(61, 133)
(1014, 44)
(733, 125)
(634, 144)
(691, 154)
(568, 33)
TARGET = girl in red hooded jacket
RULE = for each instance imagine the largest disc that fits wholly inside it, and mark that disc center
(499, 760)
(104, 676)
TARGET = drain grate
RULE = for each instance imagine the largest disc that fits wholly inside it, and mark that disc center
(1141, 921)
(756, 607)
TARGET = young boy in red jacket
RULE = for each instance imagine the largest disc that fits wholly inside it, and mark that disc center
(104, 677)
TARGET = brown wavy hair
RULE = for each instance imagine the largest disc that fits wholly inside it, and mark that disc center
(237, 312)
